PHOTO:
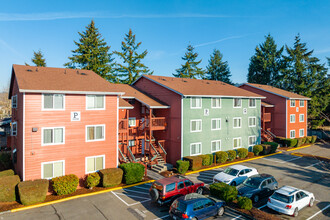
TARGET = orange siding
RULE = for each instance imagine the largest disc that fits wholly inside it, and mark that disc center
(296, 111)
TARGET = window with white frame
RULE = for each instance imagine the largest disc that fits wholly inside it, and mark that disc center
(237, 142)
(252, 140)
(301, 132)
(292, 118)
(216, 102)
(292, 134)
(195, 102)
(95, 132)
(95, 102)
(14, 129)
(215, 145)
(301, 117)
(52, 169)
(132, 121)
(14, 101)
(292, 103)
(53, 101)
(131, 143)
(237, 122)
(252, 103)
(237, 103)
(196, 125)
(252, 121)
(195, 149)
(53, 136)
(301, 103)
(94, 163)
(216, 124)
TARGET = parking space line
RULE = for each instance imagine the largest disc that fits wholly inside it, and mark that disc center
(131, 196)
(313, 164)
(120, 199)
(319, 212)
(162, 217)
(130, 190)
(296, 158)
(236, 217)
(261, 207)
(139, 187)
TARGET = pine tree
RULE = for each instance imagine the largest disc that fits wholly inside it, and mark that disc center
(190, 68)
(266, 63)
(131, 67)
(218, 69)
(38, 59)
(92, 54)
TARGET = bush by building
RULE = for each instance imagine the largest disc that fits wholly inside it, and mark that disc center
(211, 156)
(7, 173)
(304, 140)
(182, 166)
(280, 140)
(290, 142)
(8, 188)
(314, 138)
(133, 172)
(221, 156)
(244, 203)
(273, 146)
(266, 148)
(65, 185)
(111, 176)
(257, 149)
(250, 154)
(223, 191)
(299, 142)
(231, 155)
(242, 153)
(92, 180)
(195, 162)
(32, 192)
(205, 160)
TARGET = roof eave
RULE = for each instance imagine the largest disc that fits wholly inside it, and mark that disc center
(254, 97)
(71, 92)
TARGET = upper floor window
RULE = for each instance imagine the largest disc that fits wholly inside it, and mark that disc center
(52, 136)
(237, 122)
(216, 124)
(216, 102)
(252, 121)
(14, 101)
(252, 103)
(14, 129)
(95, 132)
(53, 101)
(292, 118)
(237, 103)
(95, 102)
(132, 122)
(292, 103)
(301, 103)
(196, 125)
(301, 118)
(52, 169)
(195, 102)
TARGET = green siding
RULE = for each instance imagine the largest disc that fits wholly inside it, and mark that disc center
(227, 132)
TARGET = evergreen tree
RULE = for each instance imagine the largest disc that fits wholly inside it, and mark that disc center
(266, 63)
(38, 59)
(190, 68)
(218, 69)
(131, 67)
(92, 54)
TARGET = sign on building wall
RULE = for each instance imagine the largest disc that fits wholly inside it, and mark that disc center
(206, 112)
(75, 116)
(244, 111)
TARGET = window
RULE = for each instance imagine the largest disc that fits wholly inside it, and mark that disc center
(252, 103)
(198, 205)
(53, 169)
(188, 183)
(237, 122)
(95, 102)
(292, 118)
(301, 103)
(292, 103)
(215, 145)
(53, 102)
(14, 101)
(53, 136)
(292, 134)
(237, 103)
(216, 102)
(301, 133)
(170, 187)
(132, 122)
(14, 129)
(195, 149)
(252, 140)
(301, 118)
(94, 163)
(95, 132)
(237, 142)
(131, 143)
(195, 102)
(252, 121)
(196, 125)
(216, 124)
(180, 185)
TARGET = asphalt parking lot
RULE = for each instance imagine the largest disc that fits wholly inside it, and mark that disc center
(134, 202)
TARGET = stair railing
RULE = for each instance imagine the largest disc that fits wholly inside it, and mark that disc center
(131, 153)
(122, 155)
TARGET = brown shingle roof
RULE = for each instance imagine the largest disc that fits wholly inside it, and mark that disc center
(124, 105)
(277, 91)
(197, 87)
(266, 104)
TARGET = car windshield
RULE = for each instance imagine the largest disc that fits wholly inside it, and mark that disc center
(231, 171)
(252, 182)
(282, 198)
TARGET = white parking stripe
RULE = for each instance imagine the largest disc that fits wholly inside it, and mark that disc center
(313, 164)
(139, 187)
(161, 217)
(236, 217)
(296, 158)
(262, 206)
(120, 198)
(131, 196)
(319, 212)
(130, 190)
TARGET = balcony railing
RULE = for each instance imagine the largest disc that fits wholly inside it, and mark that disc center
(123, 124)
(267, 117)
(158, 122)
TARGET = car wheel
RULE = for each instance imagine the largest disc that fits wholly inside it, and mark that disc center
(200, 190)
(221, 210)
(233, 183)
(295, 213)
(311, 202)
(255, 198)
(154, 195)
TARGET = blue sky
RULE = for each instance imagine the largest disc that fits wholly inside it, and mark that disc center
(164, 27)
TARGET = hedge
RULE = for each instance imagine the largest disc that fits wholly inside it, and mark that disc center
(304, 140)
(280, 140)
(257, 149)
(221, 156)
(244, 203)
(290, 142)
(223, 191)
(65, 185)
(299, 142)
(92, 180)
(5, 161)
(266, 149)
(8, 188)
(314, 137)
(7, 173)
(309, 138)
(195, 162)
(250, 154)
(112, 176)
(231, 155)
(32, 192)
(205, 160)
(242, 153)
(133, 172)
(211, 156)
(182, 166)
(273, 146)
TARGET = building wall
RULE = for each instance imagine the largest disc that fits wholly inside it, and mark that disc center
(297, 110)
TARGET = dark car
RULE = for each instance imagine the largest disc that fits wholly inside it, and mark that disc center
(258, 186)
(168, 189)
(195, 206)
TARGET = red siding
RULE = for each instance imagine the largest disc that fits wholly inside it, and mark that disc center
(296, 111)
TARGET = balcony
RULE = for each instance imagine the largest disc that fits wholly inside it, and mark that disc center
(267, 117)
(158, 123)
(123, 125)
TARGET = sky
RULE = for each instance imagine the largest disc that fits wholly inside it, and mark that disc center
(165, 28)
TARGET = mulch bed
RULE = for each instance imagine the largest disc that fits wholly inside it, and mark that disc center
(254, 213)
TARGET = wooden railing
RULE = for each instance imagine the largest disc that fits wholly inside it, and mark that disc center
(123, 124)
(267, 117)
(158, 122)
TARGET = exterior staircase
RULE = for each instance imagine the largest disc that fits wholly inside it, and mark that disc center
(161, 166)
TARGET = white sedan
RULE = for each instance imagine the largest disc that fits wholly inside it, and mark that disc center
(235, 175)
(289, 200)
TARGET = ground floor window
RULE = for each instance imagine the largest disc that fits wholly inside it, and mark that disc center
(95, 163)
(237, 142)
(195, 149)
(292, 134)
(252, 140)
(216, 145)
(52, 169)
(301, 133)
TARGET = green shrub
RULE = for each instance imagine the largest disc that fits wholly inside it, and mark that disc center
(244, 203)
(8, 188)
(273, 146)
(92, 180)
(182, 166)
(231, 155)
(65, 185)
(221, 156)
(242, 153)
(304, 140)
(280, 140)
(290, 142)
(314, 138)
(310, 139)
(5, 161)
(250, 154)
(205, 159)
(194, 162)
(133, 172)
(299, 142)
(7, 173)
(266, 148)
(32, 192)
(307, 140)
(223, 191)
(211, 156)
(257, 149)
(114, 176)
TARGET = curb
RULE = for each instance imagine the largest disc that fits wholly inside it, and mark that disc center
(297, 148)
(240, 213)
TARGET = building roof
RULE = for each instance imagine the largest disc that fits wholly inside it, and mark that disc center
(60, 80)
(124, 105)
(266, 104)
(198, 87)
(277, 91)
